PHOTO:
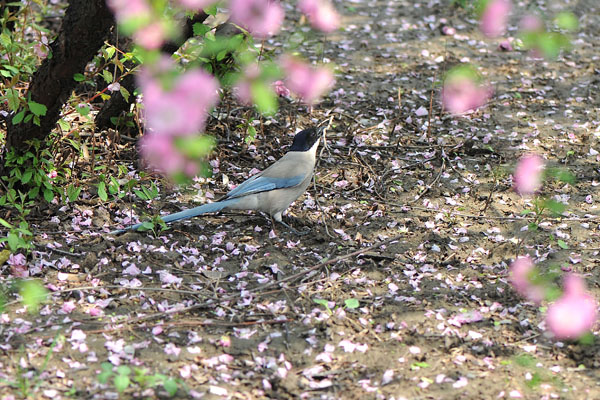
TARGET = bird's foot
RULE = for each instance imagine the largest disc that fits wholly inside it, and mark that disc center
(297, 232)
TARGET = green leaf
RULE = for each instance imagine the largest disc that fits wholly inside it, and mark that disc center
(48, 195)
(102, 191)
(146, 226)
(73, 192)
(562, 244)
(37, 108)
(13, 98)
(107, 76)
(104, 376)
(351, 303)
(26, 177)
(556, 207)
(18, 117)
(170, 385)
(567, 21)
(322, 302)
(125, 93)
(121, 382)
(140, 194)
(79, 77)
(211, 10)
(33, 294)
(123, 370)
(6, 224)
(106, 366)
(196, 147)
(64, 125)
(83, 109)
(200, 29)
(264, 98)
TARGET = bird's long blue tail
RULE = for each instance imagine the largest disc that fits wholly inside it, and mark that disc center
(186, 214)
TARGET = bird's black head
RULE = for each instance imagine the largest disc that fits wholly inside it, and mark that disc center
(305, 139)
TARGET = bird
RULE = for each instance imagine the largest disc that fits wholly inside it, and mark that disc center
(271, 191)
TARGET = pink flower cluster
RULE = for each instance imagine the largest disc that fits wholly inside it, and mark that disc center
(262, 18)
(569, 317)
(521, 271)
(574, 313)
(173, 113)
(462, 92)
(321, 14)
(495, 17)
(527, 178)
(307, 82)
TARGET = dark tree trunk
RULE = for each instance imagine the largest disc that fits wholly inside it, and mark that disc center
(117, 105)
(85, 26)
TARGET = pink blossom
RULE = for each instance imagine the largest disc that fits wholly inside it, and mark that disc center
(520, 272)
(182, 110)
(495, 17)
(128, 9)
(195, 4)
(574, 313)
(308, 82)
(531, 23)
(262, 18)
(280, 89)
(114, 87)
(151, 36)
(321, 14)
(159, 152)
(462, 92)
(243, 88)
(528, 174)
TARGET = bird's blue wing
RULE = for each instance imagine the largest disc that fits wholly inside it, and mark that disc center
(263, 183)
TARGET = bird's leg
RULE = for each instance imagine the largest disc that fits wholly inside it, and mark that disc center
(277, 217)
(297, 232)
(273, 225)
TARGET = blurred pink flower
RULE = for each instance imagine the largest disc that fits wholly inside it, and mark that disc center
(159, 152)
(527, 178)
(182, 110)
(280, 89)
(574, 313)
(195, 4)
(462, 93)
(494, 18)
(151, 36)
(128, 9)
(262, 18)
(308, 82)
(321, 14)
(520, 272)
(531, 23)
(242, 88)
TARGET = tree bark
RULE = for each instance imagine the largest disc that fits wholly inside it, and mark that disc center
(85, 26)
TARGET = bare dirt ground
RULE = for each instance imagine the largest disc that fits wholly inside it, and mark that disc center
(228, 308)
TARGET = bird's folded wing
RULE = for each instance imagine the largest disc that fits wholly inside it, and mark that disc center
(263, 184)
